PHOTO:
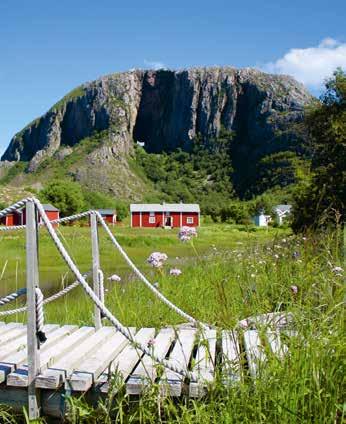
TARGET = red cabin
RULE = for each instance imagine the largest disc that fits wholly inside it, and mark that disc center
(18, 217)
(167, 215)
(108, 215)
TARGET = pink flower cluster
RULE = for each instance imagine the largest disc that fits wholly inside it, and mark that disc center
(156, 259)
(186, 233)
(175, 271)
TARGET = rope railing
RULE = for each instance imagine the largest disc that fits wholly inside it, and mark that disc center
(100, 305)
(117, 245)
(47, 300)
(54, 221)
(145, 280)
(99, 302)
(12, 296)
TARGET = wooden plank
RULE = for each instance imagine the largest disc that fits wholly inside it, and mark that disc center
(59, 370)
(146, 370)
(20, 343)
(5, 328)
(230, 357)
(254, 351)
(126, 361)
(53, 354)
(277, 347)
(19, 357)
(204, 363)
(171, 382)
(92, 367)
(12, 334)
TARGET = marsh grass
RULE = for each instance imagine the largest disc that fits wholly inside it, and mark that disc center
(237, 274)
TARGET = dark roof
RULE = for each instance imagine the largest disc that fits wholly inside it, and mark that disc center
(107, 211)
(50, 208)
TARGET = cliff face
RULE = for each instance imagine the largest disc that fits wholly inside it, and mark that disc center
(167, 109)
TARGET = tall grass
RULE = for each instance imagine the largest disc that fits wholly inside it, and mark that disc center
(237, 274)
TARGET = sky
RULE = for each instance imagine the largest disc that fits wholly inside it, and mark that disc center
(49, 47)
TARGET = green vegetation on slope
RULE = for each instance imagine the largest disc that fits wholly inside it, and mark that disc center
(321, 201)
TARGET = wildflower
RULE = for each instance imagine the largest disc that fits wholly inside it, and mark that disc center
(156, 259)
(151, 342)
(338, 271)
(186, 233)
(294, 290)
(276, 256)
(295, 255)
(175, 271)
(253, 275)
(114, 278)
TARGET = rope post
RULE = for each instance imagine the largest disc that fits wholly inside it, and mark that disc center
(95, 268)
(32, 281)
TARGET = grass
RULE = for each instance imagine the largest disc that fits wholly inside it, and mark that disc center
(238, 272)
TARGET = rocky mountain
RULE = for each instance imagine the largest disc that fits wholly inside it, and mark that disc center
(166, 110)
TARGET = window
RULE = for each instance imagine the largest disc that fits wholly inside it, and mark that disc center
(151, 219)
(189, 220)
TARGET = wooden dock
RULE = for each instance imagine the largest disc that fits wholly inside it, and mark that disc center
(83, 360)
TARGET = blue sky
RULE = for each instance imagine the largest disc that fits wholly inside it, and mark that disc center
(47, 48)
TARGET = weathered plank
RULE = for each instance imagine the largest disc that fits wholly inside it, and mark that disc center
(254, 351)
(5, 328)
(53, 354)
(59, 370)
(277, 347)
(126, 361)
(171, 382)
(87, 372)
(146, 370)
(14, 360)
(204, 363)
(20, 343)
(11, 335)
(231, 366)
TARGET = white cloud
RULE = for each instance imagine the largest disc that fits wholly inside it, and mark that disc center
(153, 64)
(311, 65)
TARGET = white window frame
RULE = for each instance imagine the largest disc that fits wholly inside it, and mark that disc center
(189, 220)
(152, 219)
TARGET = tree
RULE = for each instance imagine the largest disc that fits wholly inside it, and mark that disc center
(321, 201)
(67, 196)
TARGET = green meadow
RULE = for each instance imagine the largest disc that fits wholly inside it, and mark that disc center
(228, 273)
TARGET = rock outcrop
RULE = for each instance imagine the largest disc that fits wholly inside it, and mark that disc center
(167, 109)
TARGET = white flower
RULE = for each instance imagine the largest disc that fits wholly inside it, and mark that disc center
(114, 278)
(337, 269)
(175, 271)
(156, 259)
(186, 233)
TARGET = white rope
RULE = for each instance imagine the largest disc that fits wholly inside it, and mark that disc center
(105, 311)
(47, 300)
(10, 297)
(145, 280)
(39, 315)
(13, 207)
(54, 221)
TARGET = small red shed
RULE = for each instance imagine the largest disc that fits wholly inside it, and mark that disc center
(167, 215)
(18, 217)
(108, 215)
